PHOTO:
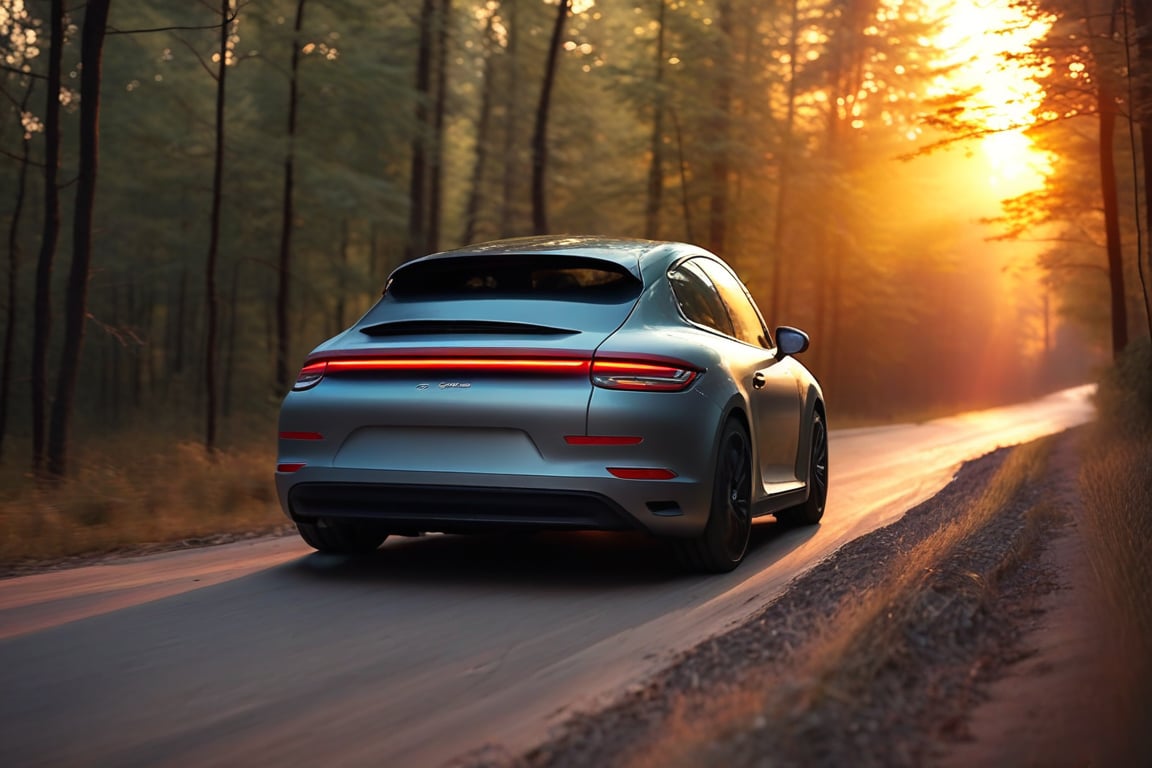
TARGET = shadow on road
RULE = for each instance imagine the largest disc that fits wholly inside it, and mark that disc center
(552, 560)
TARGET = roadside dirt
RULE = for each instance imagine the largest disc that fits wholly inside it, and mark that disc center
(29, 567)
(1018, 669)
(1065, 704)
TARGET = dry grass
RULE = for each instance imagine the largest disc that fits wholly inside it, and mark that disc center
(856, 642)
(1116, 482)
(137, 489)
(867, 632)
(1116, 485)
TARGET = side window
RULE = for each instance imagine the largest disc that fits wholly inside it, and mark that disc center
(745, 319)
(698, 299)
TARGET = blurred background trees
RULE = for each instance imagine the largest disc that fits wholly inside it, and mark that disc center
(235, 228)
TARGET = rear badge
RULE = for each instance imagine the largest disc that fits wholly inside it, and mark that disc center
(422, 387)
(455, 385)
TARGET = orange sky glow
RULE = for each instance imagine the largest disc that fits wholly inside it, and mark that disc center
(975, 38)
(970, 181)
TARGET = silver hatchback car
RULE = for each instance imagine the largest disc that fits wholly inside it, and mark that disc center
(556, 383)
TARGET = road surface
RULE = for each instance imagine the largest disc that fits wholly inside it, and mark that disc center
(262, 653)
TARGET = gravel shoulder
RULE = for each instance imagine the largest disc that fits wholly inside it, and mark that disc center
(1001, 657)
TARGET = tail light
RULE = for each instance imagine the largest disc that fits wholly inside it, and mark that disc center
(654, 375)
(661, 376)
(310, 375)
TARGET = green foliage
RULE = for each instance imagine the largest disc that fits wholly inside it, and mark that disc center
(779, 128)
(1124, 394)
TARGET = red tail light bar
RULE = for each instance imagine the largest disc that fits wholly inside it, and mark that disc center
(617, 373)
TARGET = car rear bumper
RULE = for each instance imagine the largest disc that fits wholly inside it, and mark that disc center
(459, 509)
(420, 502)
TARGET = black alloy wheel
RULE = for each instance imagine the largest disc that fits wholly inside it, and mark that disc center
(725, 539)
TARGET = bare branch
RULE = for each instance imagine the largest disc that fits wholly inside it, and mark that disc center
(15, 71)
(196, 53)
(125, 336)
(6, 154)
(229, 20)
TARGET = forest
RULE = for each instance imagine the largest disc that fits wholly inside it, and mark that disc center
(949, 197)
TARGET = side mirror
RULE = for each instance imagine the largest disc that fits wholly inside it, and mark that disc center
(790, 341)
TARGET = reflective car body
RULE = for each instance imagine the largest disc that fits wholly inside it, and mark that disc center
(554, 383)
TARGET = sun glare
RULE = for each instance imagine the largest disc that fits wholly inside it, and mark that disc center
(979, 40)
(1016, 165)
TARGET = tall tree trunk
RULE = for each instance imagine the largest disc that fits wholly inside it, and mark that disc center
(845, 75)
(418, 175)
(211, 302)
(682, 164)
(288, 212)
(655, 197)
(42, 311)
(721, 126)
(139, 300)
(511, 162)
(233, 332)
(483, 131)
(540, 134)
(1143, 110)
(179, 322)
(784, 182)
(14, 274)
(342, 278)
(91, 58)
(436, 164)
(1106, 107)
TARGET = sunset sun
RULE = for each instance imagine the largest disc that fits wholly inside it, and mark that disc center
(980, 42)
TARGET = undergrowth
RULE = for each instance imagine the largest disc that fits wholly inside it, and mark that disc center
(137, 488)
(1116, 484)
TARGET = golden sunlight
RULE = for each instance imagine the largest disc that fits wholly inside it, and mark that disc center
(979, 40)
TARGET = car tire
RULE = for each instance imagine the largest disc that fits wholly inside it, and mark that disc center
(342, 537)
(810, 512)
(725, 539)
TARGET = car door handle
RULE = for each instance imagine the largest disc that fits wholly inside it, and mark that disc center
(759, 380)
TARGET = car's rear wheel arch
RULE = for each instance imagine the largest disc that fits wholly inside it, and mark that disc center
(735, 412)
(813, 406)
(722, 544)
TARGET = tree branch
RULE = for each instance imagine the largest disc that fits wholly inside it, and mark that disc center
(196, 53)
(18, 158)
(229, 20)
(15, 71)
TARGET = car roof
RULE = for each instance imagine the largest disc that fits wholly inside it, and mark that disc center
(630, 253)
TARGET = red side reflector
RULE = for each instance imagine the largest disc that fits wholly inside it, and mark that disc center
(290, 467)
(633, 473)
(602, 440)
(301, 436)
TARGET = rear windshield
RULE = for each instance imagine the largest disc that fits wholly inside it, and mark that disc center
(563, 278)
